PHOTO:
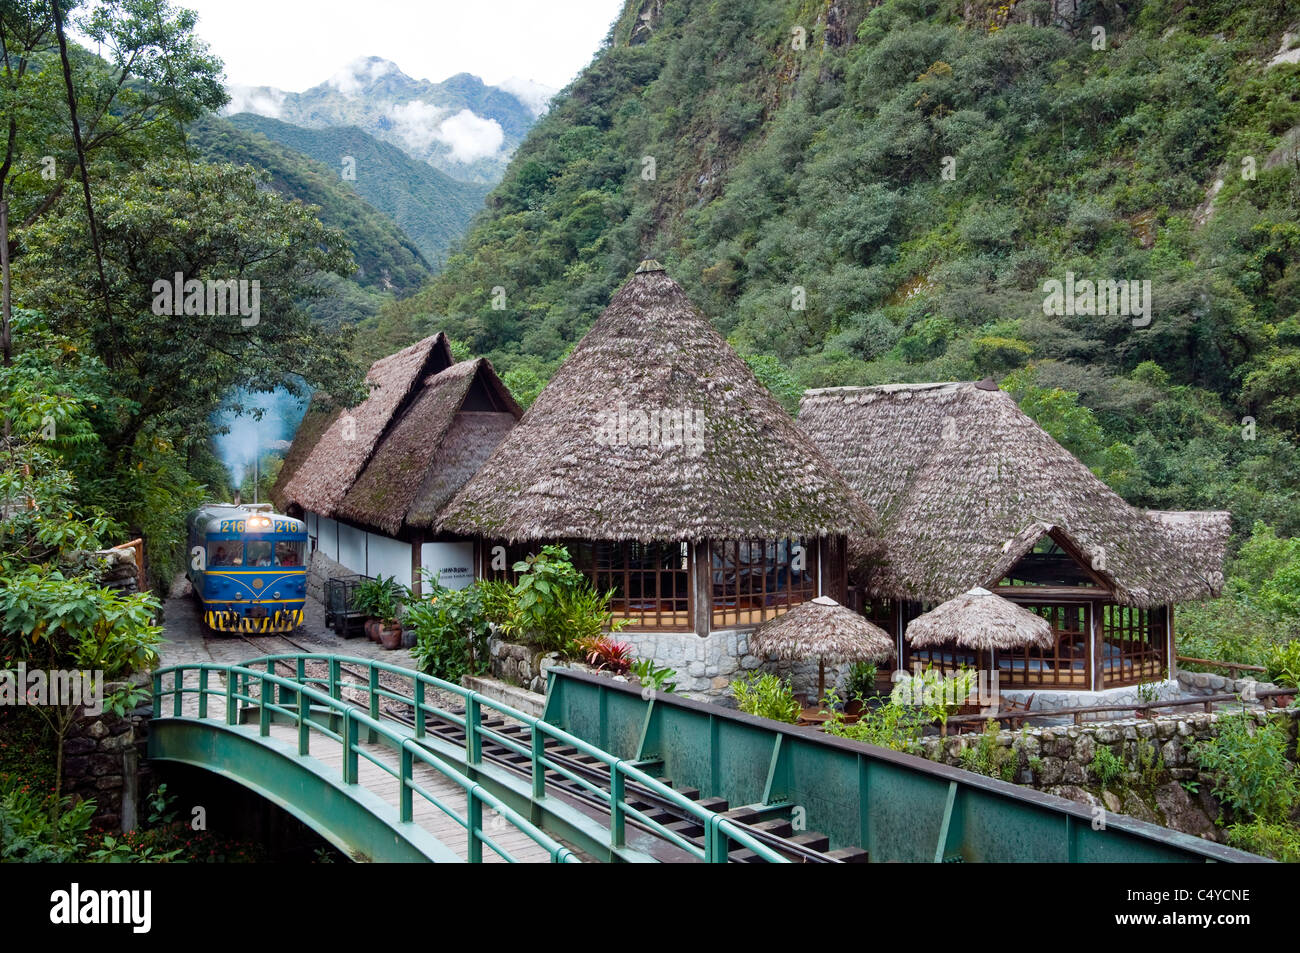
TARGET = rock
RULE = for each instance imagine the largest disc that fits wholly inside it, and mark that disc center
(1180, 811)
(1134, 806)
(1051, 771)
(1072, 792)
(97, 730)
(1111, 802)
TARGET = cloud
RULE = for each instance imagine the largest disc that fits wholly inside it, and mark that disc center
(471, 137)
(262, 100)
(416, 122)
(360, 73)
(536, 96)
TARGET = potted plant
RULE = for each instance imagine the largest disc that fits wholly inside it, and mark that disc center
(861, 686)
(380, 600)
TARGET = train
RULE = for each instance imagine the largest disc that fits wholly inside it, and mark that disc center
(248, 567)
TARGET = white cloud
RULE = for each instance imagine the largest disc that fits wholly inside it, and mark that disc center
(417, 122)
(471, 137)
(360, 73)
(262, 100)
(536, 96)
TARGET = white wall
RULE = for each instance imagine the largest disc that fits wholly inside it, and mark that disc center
(454, 562)
(352, 548)
(388, 557)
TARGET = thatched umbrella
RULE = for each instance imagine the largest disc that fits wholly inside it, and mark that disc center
(980, 620)
(825, 629)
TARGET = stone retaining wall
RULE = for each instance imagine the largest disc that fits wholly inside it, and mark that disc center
(321, 568)
(1157, 755)
(105, 758)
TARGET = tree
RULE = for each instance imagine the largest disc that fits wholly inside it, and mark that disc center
(208, 224)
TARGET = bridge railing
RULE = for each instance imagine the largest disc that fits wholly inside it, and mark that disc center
(236, 691)
(721, 834)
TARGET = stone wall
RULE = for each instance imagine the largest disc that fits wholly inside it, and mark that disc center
(321, 568)
(1156, 754)
(105, 758)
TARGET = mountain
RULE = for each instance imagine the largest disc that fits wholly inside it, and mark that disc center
(864, 193)
(388, 261)
(430, 207)
(461, 126)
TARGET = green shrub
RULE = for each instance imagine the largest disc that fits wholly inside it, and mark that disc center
(660, 679)
(1279, 841)
(890, 726)
(1282, 665)
(380, 598)
(862, 680)
(28, 832)
(553, 606)
(449, 627)
(1249, 767)
(989, 758)
(1107, 767)
(767, 696)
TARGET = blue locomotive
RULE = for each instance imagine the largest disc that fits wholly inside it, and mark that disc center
(248, 566)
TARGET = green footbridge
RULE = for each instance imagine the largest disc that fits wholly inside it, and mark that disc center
(388, 764)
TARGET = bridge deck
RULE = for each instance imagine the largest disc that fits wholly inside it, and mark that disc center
(377, 781)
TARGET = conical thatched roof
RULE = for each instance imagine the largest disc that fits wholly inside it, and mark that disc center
(964, 485)
(822, 629)
(452, 424)
(980, 620)
(587, 461)
(339, 454)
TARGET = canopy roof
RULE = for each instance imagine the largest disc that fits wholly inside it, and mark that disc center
(822, 628)
(980, 620)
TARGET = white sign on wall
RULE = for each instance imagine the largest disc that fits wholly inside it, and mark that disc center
(452, 562)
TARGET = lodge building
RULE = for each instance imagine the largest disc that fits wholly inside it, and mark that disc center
(676, 480)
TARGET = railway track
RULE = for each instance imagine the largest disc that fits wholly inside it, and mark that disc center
(772, 825)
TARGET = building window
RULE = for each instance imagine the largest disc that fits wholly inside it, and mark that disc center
(651, 582)
(1133, 645)
(1047, 564)
(1065, 665)
(756, 579)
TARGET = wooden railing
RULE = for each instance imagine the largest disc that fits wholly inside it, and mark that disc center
(1266, 696)
(1231, 666)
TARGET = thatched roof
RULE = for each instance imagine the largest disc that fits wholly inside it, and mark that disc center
(582, 464)
(980, 620)
(823, 629)
(451, 425)
(964, 484)
(318, 418)
(342, 450)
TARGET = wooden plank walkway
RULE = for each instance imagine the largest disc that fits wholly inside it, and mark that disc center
(375, 779)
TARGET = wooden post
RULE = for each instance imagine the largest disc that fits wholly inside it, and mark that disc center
(417, 542)
(1097, 611)
(702, 588)
(6, 339)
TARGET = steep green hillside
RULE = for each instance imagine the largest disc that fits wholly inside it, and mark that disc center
(889, 203)
(430, 207)
(387, 259)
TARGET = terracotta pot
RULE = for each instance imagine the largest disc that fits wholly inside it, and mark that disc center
(853, 708)
(390, 636)
(372, 630)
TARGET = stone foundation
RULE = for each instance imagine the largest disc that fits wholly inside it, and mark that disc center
(105, 759)
(321, 568)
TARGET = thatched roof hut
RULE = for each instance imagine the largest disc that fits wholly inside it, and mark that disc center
(347, 442)
(980, 620)
(825, 630)
(964, 485)
(451, 426)
(822, 628)
(654, 429)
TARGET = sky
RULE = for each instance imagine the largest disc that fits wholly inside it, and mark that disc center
(296, 44)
